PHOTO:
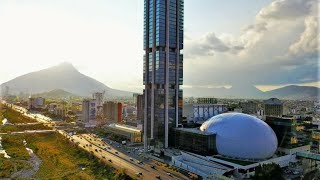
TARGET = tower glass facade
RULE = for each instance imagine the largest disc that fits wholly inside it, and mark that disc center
(163, 69)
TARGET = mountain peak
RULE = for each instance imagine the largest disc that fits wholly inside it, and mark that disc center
(62, 76)
(65, 65)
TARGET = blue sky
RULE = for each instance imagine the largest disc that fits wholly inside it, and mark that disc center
(263, 42)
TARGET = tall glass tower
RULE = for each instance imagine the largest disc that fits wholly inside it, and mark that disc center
(162, 70)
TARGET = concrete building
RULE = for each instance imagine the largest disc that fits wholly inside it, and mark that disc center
(59, 111)
(89, 110)
(202, 112)
(54, 108)
(207, 101)
(125, 132)
(273, 107)
(112, 111)
(36, 103)
(249, 107)
(198, 113)
(163, 70)
(99, 98)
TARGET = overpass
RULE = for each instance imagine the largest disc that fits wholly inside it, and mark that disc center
(309, 155)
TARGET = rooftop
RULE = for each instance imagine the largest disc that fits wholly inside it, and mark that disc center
(194, 130)
(124, 127)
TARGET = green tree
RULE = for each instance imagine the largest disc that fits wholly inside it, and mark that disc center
(268, 172)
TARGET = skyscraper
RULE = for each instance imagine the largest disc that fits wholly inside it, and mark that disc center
(163, 70)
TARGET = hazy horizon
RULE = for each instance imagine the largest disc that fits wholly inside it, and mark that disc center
(269, 44)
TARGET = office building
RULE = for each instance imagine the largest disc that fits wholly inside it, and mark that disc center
(273, 107)
(163, 70)
(99, 97)
(112, 111)
(194, 140)
(139, 104)
(89, 110)
(202, 112)
(249, 107)
(285, 129)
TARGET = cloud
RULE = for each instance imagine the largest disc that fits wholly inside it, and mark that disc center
(308, 41)
(205, 46)
(279, 47)
(287, 9)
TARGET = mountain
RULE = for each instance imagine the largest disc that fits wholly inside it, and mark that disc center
(56, 94)
(236, 91)
(249, 91)
(295, 92)
(63, 76)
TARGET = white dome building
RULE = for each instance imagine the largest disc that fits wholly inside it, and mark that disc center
(242, 136)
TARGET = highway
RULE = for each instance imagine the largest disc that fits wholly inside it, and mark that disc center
(120, 160)
(110, 155)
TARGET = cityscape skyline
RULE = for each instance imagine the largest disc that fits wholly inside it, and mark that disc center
(208, 44)
(200, 114)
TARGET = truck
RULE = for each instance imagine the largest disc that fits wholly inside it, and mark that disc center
(124, 142)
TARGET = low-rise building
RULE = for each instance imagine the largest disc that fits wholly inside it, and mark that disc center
(194, 140)
(129, 133)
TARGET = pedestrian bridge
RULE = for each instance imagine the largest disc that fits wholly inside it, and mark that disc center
(309, 155)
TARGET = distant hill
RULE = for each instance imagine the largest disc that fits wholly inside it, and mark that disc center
(236, 91)
(63, 76)
(295, 92)
(249, 91)
(56, 94)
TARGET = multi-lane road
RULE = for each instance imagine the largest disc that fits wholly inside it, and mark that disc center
(108, 154)
(104, 151)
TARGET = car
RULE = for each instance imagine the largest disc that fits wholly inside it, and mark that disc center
(158, 177)
(140, 162)
(116, 152)
(169, 174)
(152, 166)
(100, 150)
(131, 159)
(295, 172)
